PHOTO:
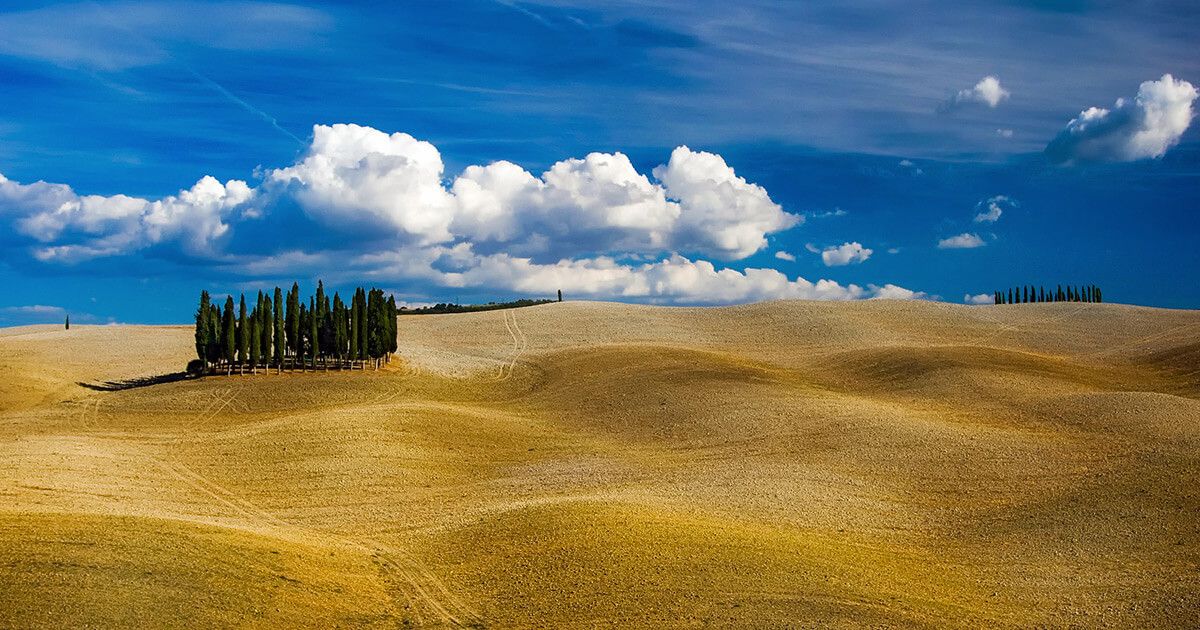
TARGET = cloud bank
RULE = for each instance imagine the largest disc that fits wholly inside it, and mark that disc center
(1145, 127)
(372, 204)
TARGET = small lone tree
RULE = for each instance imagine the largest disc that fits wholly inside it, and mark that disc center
(560, 295)
(68, 323)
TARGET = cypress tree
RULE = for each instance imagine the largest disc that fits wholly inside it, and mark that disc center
(314, 317)
(243, 336)
(1010, 297)
(340, 338)
(68, 324)
(293, 320)
(363, 319)
(229, 335)
(1099, 295)
(392, 315)
(202, 328)
(263, 340)
(214, 333)
(255, 336)
(352, 337)
(320, 302)
(376, 326)
(278, 326)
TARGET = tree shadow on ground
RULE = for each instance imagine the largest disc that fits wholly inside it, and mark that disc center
(133, 383)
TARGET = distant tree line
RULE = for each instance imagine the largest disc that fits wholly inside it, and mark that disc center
(472, 308)
(285, 333)
(1030, 293)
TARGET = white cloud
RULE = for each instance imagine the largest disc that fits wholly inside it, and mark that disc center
(987, 91)
(836, 212)
(1004, 133)
(845, 254)
(594, 226)
(358, 174)
(990, 209)
(893, 250)
(722, 212)
(673, 279)
(394, 182)
(1145, 127)
(962, 241)
(982, 298)
(781, 255)
(912, 167)
(33, 309)
(72, 227)
(893, 292)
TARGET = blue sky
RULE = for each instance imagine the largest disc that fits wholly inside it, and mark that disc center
(472, 151)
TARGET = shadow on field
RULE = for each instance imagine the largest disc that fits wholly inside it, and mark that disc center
(133, 383)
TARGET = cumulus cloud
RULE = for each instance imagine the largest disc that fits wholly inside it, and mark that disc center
(673, 279)
(893, 292)
(781, 255)
(965, 240)
(982, 298)
(845, 254)
(989, 210)
(1145, 127)
(394, 182)
(987, 91)
(69, 227)
(594, 225)
(1004, 133)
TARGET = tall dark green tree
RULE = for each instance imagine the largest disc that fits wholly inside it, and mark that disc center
(255, 336)
(352, 335)
(392, 321)
(264, 326)
(278, 326)
(376, 326)
(293, 320)
(340, 337)
(229, 335)
(214, 333)
(243, 336)
(364, 338)
(314, 331)
(202, 333)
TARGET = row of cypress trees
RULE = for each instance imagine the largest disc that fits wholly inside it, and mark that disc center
(290, 334)
(1030, 293)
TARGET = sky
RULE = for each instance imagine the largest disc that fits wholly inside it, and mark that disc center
(652, 151)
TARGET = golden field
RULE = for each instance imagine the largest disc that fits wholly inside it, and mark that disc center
(785, 464)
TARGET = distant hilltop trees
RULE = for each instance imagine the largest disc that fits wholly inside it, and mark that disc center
(287, 333)
(443, 308)
(1030, 293)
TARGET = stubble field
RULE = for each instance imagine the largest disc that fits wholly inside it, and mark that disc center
(590, 464)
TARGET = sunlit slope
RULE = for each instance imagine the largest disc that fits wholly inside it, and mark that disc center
(585, 464)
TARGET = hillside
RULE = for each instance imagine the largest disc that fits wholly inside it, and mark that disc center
(596, 464)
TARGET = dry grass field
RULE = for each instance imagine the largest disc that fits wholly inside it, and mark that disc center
(786, 464)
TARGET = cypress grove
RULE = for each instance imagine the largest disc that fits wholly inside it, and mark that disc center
(1038, 294)
(295, 334)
